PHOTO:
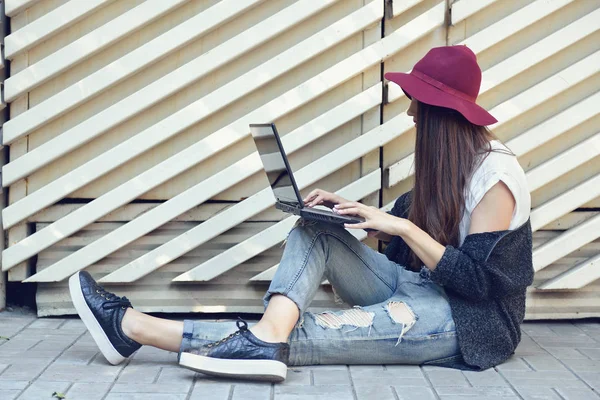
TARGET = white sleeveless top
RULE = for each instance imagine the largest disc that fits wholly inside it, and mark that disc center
(497, 166)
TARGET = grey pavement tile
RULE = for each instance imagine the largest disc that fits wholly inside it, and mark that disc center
(73, 325)
(566, 353)
(514, 364)
(26, 360)
(79, 357)
(43, 390)
(13, 385)
(47, 323)
(568, 341)
(75, 373)
(145, 396)
(405, 371)
(251, 391)
(337, 392)
(374, 392)
(537, 329)
(538, 393)
(9, 394)
(381, 377)
(331, 377)
(578, 394)
(447, 378)
(592, 378)
(204, 391)
(489, 377)
(594, 354)
(414, 393)
(297, 377)
(25, 372)
(176, 376)
(151, 355)
(582, 365)
(139, 374)
(87, 391)
(17, 345)
(565, 328)
(548, 379)
(544, 363)
(476, 392)
(149, 388)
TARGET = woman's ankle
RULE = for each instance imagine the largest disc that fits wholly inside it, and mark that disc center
(269, 333)
(130, 326)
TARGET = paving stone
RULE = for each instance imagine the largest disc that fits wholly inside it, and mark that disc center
(73, 325)
(13, 385)
(337, 392)
(578, 394)
(489, 377)
(374, 392)
(476, 392)
(47, 323)
(332, 377)
(583, 365)
(75, 373)
(26, 372)
(87, 391)
(146, 396)
(414, 393)
(43, 390)
(566, 353)
(139, 374)
(9, 394)
(405, 371)
(251, 391)
(209, 388)
(568, 341)
(154, 356)
(378, 376)
(447, 378)
(148, 388)
(17, 345)
(537, 329)
(297, 377)
(594, 354)
(549, 379)
(544, 363)
(592, 379)
(79, 357)
(513, 364)
(538, 393)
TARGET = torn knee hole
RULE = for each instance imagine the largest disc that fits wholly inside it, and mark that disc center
(401, 313)
(355, 317)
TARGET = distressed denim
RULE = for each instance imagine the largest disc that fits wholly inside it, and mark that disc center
(398, 316)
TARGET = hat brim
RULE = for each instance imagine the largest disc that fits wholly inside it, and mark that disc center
(429, 94)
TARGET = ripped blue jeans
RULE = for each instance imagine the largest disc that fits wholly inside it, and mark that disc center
(398, 316)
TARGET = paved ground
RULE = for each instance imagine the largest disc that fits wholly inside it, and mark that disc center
(556, 360)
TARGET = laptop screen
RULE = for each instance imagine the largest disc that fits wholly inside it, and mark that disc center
(268, 147)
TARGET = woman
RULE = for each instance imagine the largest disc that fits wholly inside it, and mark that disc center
(449, 290)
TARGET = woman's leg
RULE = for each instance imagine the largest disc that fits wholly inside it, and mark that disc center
(151, 331)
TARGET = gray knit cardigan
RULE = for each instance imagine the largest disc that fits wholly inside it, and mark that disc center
(486, 280)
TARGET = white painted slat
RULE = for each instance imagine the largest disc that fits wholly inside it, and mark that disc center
(565, 203)
(521, 104)
(398, 7)
(513, 24)
(563, 163)
(173, 124)
(540, 51)
(42, 28)
(164, 87)
(86, 46)
(13, 7)
(463, 9)
(555, 126)
(268, 238)
(194, 154)
(566, 243)
(575, 278)
(268, 274)
(181, 203)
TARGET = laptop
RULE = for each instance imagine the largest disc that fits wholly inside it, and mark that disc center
(282, 180)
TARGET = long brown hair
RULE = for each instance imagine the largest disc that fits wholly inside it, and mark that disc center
(448, 149)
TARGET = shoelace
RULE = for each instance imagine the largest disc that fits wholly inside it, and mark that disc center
(242, 327)
(112, 300)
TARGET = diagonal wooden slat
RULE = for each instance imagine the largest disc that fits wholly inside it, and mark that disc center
(575, 278)
(292, 141)
(269, 237)
(184, 76)
(513, 24)
(227, 136)
(13, 7)
(566, 243)
(520, 104)
(127, 66)
(86, 46)
(398, 7)
(564, 162)
(565, 203)
(463, 9)
(268, 274)
(180, 120)
(49, 24)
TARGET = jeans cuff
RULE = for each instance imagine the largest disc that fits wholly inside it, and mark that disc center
(188, 335)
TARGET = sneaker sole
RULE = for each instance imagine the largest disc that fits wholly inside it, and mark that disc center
(257, 370)
(91, 323)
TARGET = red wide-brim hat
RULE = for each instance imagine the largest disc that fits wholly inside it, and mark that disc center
(446, 77)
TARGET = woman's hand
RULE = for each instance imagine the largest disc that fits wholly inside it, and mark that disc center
(374, 218)
(320, 196)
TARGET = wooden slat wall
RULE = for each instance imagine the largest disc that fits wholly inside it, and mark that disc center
(131, 157)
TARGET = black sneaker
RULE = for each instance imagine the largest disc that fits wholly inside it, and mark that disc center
(102, 313)
(240, 355)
